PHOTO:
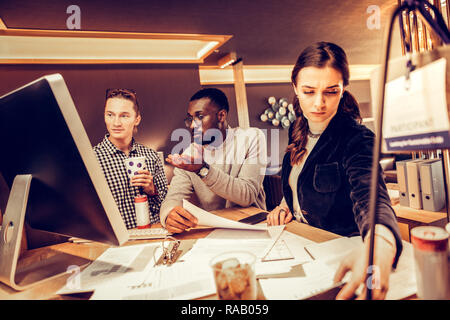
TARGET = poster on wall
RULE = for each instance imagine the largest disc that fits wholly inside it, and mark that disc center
(415, 112)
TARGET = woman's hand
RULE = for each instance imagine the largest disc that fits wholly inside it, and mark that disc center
(145, 180)
(278, 216)
(357, 263)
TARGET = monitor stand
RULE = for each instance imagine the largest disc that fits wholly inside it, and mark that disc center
(17, 275)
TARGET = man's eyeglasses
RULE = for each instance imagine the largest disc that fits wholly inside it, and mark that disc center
(197, 119)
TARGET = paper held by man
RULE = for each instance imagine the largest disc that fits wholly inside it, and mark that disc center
(207, 219)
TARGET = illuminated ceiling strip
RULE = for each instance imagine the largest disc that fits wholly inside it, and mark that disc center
(24, 46)
(210, 75)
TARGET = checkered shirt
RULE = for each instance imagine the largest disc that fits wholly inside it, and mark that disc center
(112, 162)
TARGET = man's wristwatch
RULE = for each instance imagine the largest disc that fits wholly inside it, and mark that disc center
(203, 171)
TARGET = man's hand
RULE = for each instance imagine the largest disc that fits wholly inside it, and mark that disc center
(179, 220)
(356, 262)
(189, 163)
(278, 216)
(145, 180)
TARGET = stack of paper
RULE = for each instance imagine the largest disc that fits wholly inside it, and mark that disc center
(317, 276)
(125, 264)
(180, 281)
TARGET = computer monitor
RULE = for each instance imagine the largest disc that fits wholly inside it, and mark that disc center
(56, 183)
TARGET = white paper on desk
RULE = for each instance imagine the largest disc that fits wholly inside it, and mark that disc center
(225, 240)
(127, 263)
(180, 281)
(296, 245)
(317, 277)
(211, 220)
(334, 247)
(238, 234)
(402, 282)
(205, 249)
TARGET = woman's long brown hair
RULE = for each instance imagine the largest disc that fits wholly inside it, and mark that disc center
(319, 55)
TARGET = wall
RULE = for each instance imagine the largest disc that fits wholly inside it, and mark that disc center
(277, 137)
(163, 93)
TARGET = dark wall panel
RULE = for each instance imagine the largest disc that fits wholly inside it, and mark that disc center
(163, 93)
(257, 95)
(277, 137)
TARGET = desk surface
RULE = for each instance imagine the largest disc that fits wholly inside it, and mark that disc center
(93, 250)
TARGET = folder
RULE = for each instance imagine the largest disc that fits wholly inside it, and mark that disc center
(413, 182)
(402, 183)
(432, 185)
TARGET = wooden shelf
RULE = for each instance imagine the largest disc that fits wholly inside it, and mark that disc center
(424, 217)
(409, 218)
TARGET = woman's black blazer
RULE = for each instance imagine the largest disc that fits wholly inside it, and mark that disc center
(334, 185)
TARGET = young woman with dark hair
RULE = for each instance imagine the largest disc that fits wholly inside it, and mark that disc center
(326, 170)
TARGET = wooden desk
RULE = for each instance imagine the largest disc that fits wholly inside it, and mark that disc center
(93, 250)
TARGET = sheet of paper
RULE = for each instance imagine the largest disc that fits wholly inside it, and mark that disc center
(296, 245)
(402, 282)
(128, 263)
(279, 251)
(208, 219)
(316, 277)
(233, 234)
(205, 249)
(327, 249)
(289, 267)
(180, 281)
(222, 240)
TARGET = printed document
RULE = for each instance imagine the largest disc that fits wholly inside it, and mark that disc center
(208, 219)
(179, 281)
(126, 263)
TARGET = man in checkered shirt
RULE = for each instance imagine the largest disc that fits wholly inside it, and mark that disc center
(122, 117)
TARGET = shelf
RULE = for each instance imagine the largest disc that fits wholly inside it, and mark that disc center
(420, 217)
(31, 46)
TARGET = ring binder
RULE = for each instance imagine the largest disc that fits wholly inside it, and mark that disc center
(173, 251)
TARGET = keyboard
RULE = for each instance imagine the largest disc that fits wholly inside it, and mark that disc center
(148, 233)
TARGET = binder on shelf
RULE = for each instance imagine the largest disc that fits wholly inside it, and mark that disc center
(432, 184)
(413, 181)
(402, 183)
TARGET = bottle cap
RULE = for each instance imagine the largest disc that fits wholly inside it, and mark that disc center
(429, 238)
(140, 198)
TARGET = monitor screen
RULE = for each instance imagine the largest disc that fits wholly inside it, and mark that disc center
(41, 134)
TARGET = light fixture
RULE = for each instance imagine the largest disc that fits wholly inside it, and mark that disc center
(25, 46)
(211, 75)
(228, 59)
